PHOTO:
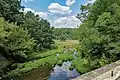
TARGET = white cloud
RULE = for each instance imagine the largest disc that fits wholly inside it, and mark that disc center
(28, 9)
(43, 15)
(56, 8)
(92, 1)
(58, 22)
(28, 0)
(89, 2)
(66, 22)
(70, 2)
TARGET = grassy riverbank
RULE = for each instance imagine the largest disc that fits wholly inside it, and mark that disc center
(51, 58)
(46, 58)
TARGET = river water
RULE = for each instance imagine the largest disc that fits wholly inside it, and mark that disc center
(51, 73)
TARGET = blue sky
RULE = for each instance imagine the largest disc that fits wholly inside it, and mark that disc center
(60, 13)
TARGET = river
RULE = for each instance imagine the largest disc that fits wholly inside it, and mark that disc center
(51, 73)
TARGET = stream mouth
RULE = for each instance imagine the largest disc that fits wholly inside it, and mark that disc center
(51, 73)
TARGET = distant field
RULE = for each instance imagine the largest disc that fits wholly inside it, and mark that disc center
(67, 43)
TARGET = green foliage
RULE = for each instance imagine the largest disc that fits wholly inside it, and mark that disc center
(32, 33)
(71, 67)
(66, 57)
(9, 9)
(51, 60)
(40, 30)
(60, 62)
(81, 65)
(28, 66)
(67, 44)
(99, 33)
(48, 53)
(62, 38)
(99, 37)
(15, 41)
(66, 33)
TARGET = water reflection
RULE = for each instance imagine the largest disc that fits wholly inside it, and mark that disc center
(63, 72)
(47, 73)
(41, 73)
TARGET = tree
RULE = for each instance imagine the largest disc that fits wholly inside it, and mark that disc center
(40, 30)
(66, 33)
(15, 41)
(100, 33)
(9, 9)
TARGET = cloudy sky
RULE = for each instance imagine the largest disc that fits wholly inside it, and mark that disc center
(60, 13)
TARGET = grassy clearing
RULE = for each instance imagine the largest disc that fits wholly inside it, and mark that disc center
(67, 43)
(61, 46)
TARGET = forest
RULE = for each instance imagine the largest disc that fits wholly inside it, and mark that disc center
(30, 42)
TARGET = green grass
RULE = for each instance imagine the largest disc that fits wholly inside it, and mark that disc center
(67, 43)
(80, 64)
(48, 53)
(60, 44)
(28, 66)
(66, 57)
(50, 58)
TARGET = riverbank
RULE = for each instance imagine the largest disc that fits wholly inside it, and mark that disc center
(50, 60)
(51, 57)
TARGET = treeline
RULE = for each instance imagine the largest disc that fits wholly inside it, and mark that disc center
(21, 33)
(100, 32)
(66, 33)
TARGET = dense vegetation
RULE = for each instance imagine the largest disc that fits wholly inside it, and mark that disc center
(26, 38)
(22, 33)
(15, 42)
(66, 34)
(40, 30)
(100, 32)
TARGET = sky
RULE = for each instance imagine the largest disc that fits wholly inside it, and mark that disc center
(60, 13)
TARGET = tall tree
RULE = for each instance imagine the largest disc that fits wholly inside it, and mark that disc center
(9, 9)
(15, 41)
(99, 33)
(39, 29)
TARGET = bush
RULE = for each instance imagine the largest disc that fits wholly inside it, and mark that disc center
(71, 67)
(16, 42)
(60, 62)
